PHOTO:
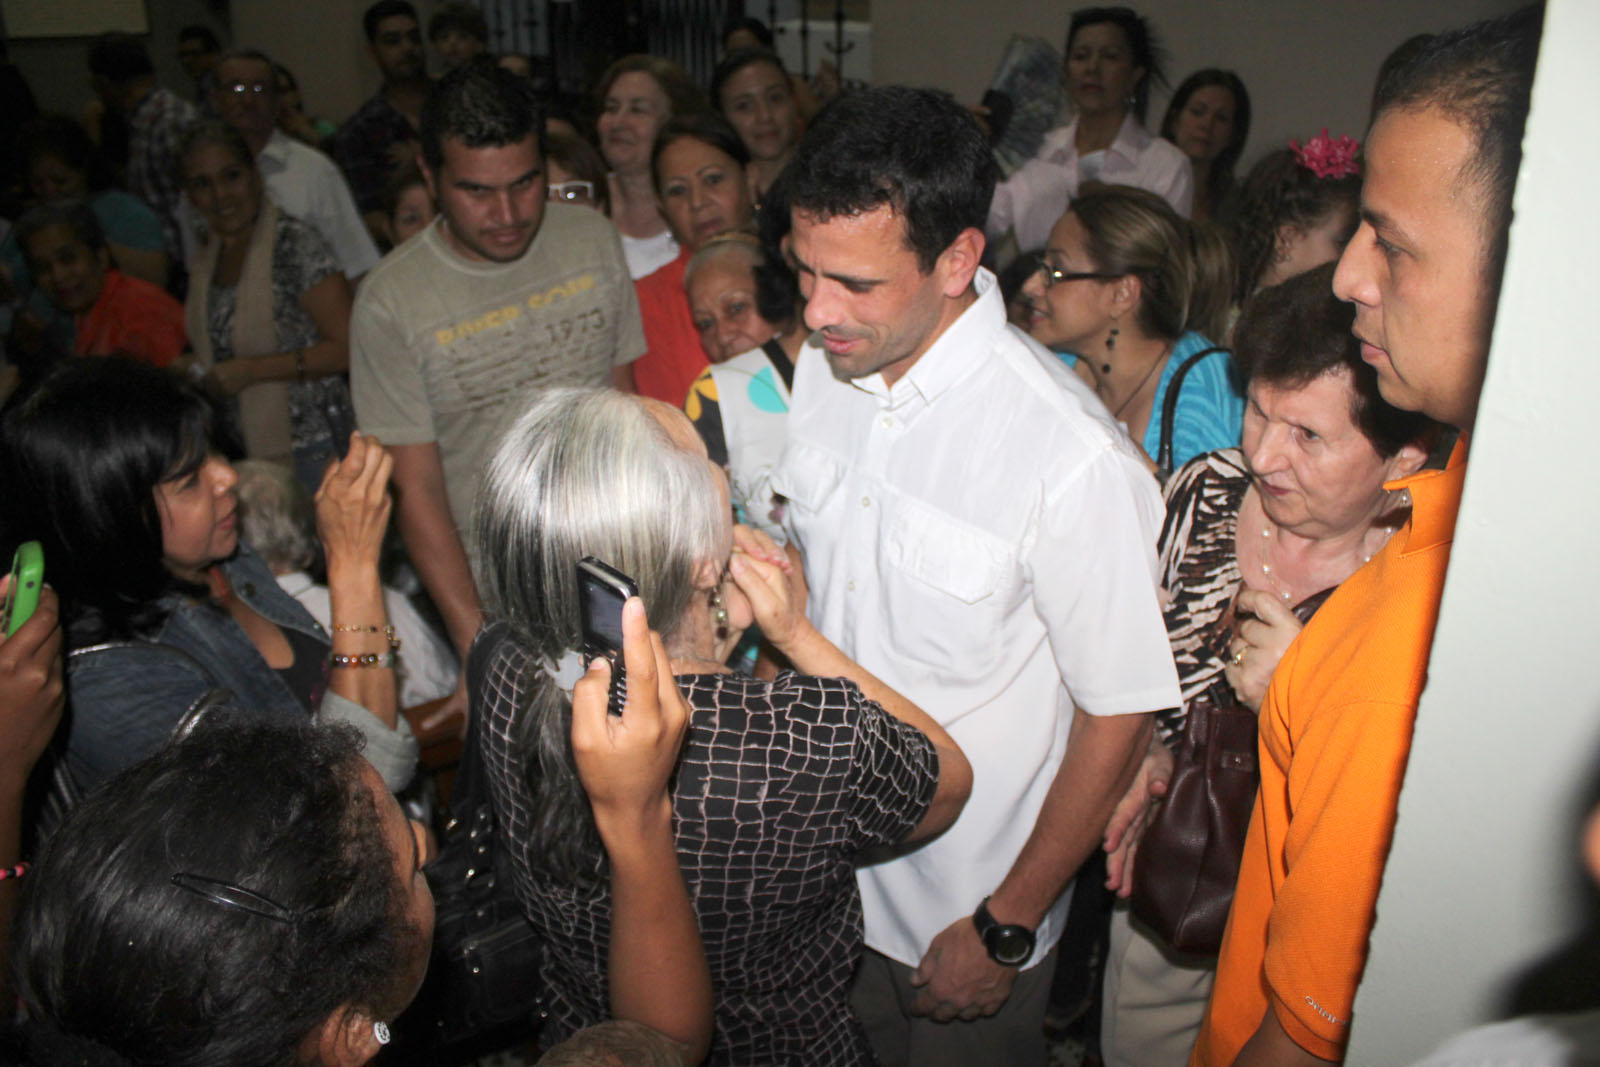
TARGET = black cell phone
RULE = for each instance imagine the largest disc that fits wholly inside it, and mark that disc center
(1000, 107)
(602, 590)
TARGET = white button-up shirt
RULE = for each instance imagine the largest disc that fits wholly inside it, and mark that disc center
(981, 536)
(1034, 198)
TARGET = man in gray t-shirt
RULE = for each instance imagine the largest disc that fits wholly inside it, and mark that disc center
(502, 294)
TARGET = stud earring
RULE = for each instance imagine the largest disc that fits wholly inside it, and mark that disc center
(380, 1032)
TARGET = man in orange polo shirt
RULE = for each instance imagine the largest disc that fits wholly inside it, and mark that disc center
(1424, 273)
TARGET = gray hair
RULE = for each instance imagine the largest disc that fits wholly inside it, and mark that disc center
(276, 515)
(207, 133)
(586, 472)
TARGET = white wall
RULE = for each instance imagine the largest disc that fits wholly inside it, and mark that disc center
(1307, 63)
(1483, 880)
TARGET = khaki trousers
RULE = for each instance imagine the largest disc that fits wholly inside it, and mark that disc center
(1154, 998)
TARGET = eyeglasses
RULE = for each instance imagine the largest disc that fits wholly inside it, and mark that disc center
(570, 191)
(1054, 276)
(243, 88)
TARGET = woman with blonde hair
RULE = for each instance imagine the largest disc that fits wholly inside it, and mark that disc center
(638, 95)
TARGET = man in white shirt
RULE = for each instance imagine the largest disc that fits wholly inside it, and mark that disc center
(301, 180)
(980, 535)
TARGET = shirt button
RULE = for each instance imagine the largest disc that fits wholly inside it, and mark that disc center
(850, 586)
(888, 422)
(866, 502)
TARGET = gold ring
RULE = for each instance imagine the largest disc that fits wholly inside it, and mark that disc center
(1238, 657)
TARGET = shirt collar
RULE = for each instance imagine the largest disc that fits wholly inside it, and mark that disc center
(1435, 499)
(275, 152)
(954, 354)
(295, 582)
(1131, 140)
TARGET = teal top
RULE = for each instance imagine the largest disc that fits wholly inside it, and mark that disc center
(1209, 412)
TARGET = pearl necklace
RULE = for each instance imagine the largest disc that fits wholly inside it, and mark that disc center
(1266, 569)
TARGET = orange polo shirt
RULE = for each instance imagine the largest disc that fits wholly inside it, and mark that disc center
(1335, 735)
(675, 358)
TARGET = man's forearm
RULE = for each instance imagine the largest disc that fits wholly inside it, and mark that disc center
(423, 515)
(1103, 753)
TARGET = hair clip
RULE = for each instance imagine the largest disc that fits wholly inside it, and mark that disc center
(1329, 157)
(234, 896)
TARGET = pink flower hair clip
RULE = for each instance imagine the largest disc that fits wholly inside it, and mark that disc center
(1329, 157)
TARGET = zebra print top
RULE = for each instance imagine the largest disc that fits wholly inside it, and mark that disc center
(1199, 563)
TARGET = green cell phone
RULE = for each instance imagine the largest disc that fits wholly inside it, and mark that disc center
(27, 578)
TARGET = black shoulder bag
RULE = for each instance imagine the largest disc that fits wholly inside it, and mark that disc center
(483, 985)
(1169, 411)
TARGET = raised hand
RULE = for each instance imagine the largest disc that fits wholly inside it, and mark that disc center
(353, 503)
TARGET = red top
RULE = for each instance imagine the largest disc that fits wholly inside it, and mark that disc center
(132, 317)
(675, 358)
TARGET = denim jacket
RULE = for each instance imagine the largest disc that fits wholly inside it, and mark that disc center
(127, 696)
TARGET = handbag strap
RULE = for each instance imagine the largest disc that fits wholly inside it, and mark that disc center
(1169, 410)
(780, 362)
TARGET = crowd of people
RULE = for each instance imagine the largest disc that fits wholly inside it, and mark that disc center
(959, 509)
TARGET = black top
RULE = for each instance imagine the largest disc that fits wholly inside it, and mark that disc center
(781, 784)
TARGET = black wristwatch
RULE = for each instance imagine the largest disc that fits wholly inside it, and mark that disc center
(1009, 945)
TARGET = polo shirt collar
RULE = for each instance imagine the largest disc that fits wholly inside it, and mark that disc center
(1435, 499)
(956, 353)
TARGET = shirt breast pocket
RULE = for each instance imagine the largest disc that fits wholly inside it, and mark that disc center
(806, 477)
(949, 588)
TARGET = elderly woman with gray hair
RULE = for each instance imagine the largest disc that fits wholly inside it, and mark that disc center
(278, 520)
(781, 783)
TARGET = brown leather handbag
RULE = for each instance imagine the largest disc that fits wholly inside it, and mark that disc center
(1188, 859)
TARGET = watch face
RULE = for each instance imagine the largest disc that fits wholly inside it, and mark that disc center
(1012, 945)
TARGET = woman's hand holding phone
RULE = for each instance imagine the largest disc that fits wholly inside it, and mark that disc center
(353, 504)
(31, 690)
(625, 761)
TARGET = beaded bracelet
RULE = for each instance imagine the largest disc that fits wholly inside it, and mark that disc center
(364, 659)
(14, 872)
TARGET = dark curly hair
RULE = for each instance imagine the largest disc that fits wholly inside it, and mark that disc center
(110, 950)
(482, 106)
(1294, 333)
(915, 151)
(1279, 191)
